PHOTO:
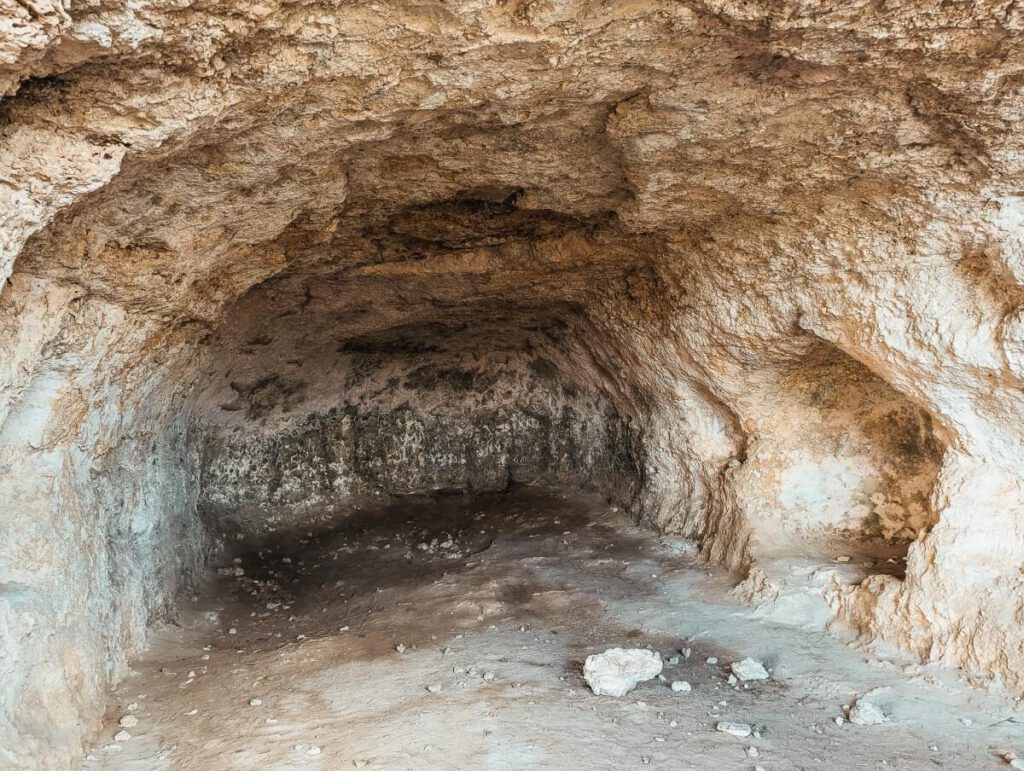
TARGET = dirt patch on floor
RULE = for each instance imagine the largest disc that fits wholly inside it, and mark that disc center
(450, 633)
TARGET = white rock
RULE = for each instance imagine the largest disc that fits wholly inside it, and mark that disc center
(400, 647)
(749, 669)
(741, 730)
(711, 660)
(618, 671)
(128, 721)
(681, 686)
(255, 702)
(122, 736)
(867, 713)
(434, 687)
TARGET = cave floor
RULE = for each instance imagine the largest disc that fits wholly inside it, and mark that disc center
(497, 601)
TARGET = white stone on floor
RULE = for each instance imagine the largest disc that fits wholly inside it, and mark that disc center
(866, 711)
(618, 671)
(749, 669)
(741, 730)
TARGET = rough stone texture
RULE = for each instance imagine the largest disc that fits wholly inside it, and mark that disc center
(782, 241)
(373, 419)
(618, 671)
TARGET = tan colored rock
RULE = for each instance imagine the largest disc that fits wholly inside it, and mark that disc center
(772, 251)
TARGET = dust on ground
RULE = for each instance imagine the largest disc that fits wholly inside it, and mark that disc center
(450, 634)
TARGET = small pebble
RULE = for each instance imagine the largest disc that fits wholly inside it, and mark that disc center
(255, 702)
(434, 687)
(741, 730)
(681, 686)
(400, 647)
(122, 736)
(128, 721)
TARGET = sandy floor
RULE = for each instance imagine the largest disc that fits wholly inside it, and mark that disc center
(294, 664)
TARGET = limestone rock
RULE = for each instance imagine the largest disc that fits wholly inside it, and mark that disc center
(867, 710)
(618, 671)
(749, 669)
(741, 730)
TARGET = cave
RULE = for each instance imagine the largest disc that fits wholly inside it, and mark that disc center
(369, 374)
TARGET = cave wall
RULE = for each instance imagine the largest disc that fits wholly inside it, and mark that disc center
(99, 528)
(720, 188)
(419, 419)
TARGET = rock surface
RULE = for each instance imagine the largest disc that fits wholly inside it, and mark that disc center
(868, 710)
(749, 669)
(741, 730)
(773, 252)
(618, 671)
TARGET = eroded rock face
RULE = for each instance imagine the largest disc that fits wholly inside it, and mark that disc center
(428, 411)
(772, 252)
